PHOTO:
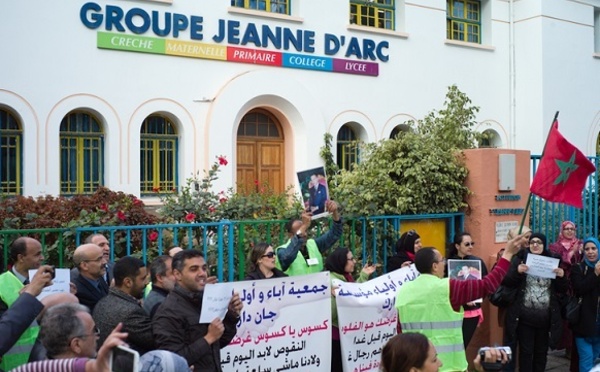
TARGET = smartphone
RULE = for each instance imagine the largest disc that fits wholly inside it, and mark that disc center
(124, 359)
(494, 366)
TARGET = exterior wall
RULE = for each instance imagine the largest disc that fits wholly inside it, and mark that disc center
(52, 65)
(483, 225)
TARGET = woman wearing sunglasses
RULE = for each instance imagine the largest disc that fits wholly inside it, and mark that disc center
(262, 263)
(462, 249)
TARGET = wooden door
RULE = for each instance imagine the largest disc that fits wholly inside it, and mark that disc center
(260, 156)
(260, 162)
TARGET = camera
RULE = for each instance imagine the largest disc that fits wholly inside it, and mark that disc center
(497, 365)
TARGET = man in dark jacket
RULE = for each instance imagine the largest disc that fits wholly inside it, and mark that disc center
(163, 282)
(122, 306)
(92, 267)
(175, 324)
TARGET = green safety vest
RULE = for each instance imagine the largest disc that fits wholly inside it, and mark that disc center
(148, 289)
(299, 266)
(424, 307)
(18, 355)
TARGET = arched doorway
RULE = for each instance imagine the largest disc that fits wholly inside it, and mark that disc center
(260, 153)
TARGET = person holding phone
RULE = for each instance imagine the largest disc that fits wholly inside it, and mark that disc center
(24, 310)
(102, 363)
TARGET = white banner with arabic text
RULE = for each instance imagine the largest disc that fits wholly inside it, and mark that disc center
(285, 324)
(367, 317)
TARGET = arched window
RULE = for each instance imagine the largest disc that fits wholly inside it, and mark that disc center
(402, 128)
(491, 138)
(10, 154)
(158, 155)
(347, 149)
(81, 153)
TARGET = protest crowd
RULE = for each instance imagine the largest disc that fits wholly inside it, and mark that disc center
(419, 316)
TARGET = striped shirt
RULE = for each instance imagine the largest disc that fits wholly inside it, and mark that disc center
(54, 365)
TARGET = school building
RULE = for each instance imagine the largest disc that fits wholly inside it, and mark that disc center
(137, 95)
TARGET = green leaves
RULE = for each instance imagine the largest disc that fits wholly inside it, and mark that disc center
(419, 171)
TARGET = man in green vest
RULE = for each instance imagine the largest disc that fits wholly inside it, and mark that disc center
(26, 254)
(300, 255)
(432, 304)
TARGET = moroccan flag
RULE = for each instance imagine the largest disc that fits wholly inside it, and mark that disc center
(562, 172)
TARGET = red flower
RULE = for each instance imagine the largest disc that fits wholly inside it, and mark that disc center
(137, 202)
(211, 209)
(222, 199)
(121, 216)
(104, 207)
(256, 182)
(153, 236)
(190, 217)
(156, 189)
(174, 190)
(222, 160)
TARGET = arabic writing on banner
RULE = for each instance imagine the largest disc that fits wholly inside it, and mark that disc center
(367, 317)
(60, 283)
(279, 328)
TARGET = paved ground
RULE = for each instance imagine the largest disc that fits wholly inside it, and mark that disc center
(557, 362)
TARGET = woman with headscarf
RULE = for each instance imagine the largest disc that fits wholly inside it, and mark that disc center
(534, 318)
(461, 249)
(570, 250)
(585, 279)
(340, 264)
(568, 246)
(406, 247)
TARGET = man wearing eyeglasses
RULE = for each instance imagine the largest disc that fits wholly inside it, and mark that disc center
(68, 331)
(91, 286)
(101, 241)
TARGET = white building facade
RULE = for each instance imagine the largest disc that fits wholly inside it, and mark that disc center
(138, 95)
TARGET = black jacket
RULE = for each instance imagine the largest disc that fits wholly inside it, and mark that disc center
(586, 284)
(176, 329)
(395, 262)
(17, 319)
(558, 290)
(87, 294)
(257, 274)
(119, 307)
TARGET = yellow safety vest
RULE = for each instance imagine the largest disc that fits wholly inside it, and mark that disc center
(18, 355)
(424, 307)
(299, 266)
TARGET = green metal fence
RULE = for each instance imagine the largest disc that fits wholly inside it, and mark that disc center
(225, 244)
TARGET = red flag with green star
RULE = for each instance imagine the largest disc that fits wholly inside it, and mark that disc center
(562, 172)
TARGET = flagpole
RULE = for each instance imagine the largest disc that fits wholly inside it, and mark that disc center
(529, 197)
